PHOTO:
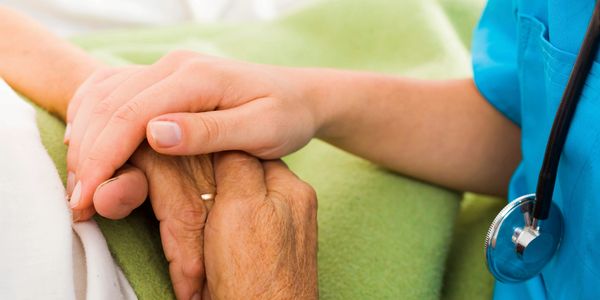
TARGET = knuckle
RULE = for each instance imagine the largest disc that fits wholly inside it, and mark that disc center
(308, 194)
(72, 156)
(307, 190)
(177, 56)
(193, 268)
(92, 94)
(101, 74)
(211, 129)
(201, 67)
(190, 220)
(129, 112)
(236, 205)
(103, 107)
(95, 160)
(206, 66)
(91, 159)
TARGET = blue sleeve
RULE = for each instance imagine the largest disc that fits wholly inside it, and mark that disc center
(494, 53)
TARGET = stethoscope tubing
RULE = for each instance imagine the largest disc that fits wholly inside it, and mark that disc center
(564, 116)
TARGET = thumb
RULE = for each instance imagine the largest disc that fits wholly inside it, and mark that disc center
(250, 128)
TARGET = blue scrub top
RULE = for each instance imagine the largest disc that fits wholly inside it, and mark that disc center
(523, 53)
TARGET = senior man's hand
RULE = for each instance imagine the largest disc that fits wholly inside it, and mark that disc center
(260, 239)
(175, 186)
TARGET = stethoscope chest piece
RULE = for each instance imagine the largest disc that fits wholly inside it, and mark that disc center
(517, 246)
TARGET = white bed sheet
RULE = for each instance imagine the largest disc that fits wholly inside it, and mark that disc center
(68, 17)
(43, 255)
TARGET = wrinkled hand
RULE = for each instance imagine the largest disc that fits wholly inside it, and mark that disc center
(260, 239)
(201, 104)
(175, 186)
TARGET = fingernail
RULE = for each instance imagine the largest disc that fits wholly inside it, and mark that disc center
(165, 133)
(75, 197)
(67, 137)
(76, 215)
(196, 296)
(106, 182)
(101, 185)
(70, 182)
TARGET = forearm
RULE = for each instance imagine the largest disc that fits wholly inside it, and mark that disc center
(443, 132)
(40, 65)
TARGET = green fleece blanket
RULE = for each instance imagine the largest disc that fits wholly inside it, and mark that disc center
(381, 236)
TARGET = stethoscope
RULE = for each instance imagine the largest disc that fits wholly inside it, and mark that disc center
(526, 234)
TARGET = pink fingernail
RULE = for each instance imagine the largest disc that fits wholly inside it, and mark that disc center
(67, 137)
(76, 196)
(76, 215)
(70, 182)
(196, 296)
(165, 133)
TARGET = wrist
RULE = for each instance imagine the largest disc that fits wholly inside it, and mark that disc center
(348, 103)
(323, 93)
(337, 100)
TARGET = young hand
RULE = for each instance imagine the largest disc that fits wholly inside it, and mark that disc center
(185, 104)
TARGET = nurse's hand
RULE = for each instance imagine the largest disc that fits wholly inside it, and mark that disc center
(263, 110)
(175, 188)
(260, 239)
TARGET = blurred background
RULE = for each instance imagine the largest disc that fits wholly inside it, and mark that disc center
(67, 17)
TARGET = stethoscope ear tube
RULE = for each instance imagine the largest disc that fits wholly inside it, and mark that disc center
(525, 235)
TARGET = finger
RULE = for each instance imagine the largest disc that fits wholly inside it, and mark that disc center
(118, 196)
(127, 127)
(78, 96)
(238, 175)
(75, 102)
(175, 191)
(182, 216)
(241, 128)
(83, 215)
(205, 292)
(183, 251)
(78, 125)
(137, 81)
(82, 107)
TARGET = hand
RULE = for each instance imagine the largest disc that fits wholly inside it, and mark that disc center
(263, 110)
(260, 239)
(175, 186)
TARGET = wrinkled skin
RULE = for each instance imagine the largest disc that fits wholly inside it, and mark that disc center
(261, 234)
(174, 188)
(257, 240)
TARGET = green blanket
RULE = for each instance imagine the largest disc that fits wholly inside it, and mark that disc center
(381, 236)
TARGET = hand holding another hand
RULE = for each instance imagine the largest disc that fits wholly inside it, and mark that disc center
(185, 104)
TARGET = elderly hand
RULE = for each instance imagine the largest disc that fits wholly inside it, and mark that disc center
(263, 110)
(260, 239)
(175, 187)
